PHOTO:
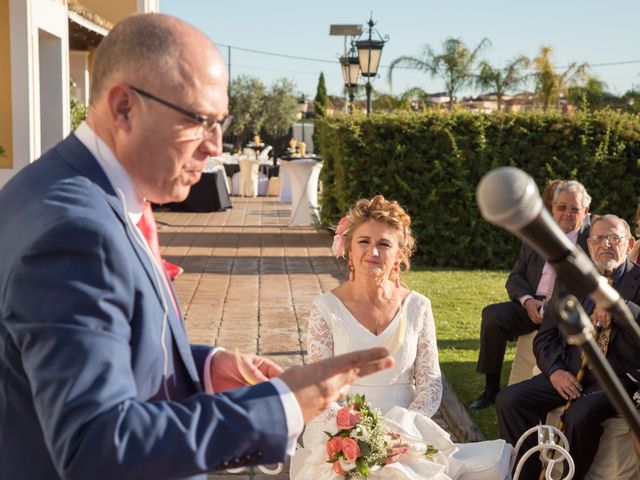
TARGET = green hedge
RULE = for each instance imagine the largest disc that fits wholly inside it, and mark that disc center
(432, 162)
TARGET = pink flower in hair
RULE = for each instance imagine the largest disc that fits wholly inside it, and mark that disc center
(340, 238)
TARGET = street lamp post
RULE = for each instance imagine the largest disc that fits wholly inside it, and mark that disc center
(349, 61)
(350, 73)
(302, 107)
(369, 53)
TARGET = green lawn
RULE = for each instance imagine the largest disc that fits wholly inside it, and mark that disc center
(458, 297)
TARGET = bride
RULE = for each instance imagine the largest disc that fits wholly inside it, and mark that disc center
(372, 309)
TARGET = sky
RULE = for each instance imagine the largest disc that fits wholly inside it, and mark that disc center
(598, 32)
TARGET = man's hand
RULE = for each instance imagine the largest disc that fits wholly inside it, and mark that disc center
(566, 384)
(533, 306)
(318, 384)
(227, 368)
(601, 317)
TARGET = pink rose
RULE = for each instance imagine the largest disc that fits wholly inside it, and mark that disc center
(347, 417)
(337, 248)
(334, 445)
(343, 226)
(339, 239)
(350, 449)
(337, 468)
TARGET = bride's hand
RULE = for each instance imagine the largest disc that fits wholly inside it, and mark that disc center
(394, 453)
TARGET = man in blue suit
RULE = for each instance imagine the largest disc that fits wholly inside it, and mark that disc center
(97, 378)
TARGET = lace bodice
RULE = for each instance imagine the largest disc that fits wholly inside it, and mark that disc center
(333, 330)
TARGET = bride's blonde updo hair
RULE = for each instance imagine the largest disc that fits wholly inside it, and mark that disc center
(388, 212)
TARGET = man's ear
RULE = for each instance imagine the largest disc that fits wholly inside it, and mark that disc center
(632, 242)
(119, 100)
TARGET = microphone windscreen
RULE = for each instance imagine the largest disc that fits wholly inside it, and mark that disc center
(509, 198)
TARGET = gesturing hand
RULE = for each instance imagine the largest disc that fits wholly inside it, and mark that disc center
(227, 368)
(566, 384)
(318, 384)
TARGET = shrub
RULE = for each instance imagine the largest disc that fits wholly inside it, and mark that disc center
(432, 162)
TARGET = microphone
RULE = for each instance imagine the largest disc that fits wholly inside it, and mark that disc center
(509, 198)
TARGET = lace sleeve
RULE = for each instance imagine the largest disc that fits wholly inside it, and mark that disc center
(426, 370)
(319, 337)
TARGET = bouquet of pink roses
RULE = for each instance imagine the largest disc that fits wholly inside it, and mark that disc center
(363, 443)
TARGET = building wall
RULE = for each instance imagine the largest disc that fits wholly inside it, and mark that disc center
(39, 79)
(6, 131)
(114, 11)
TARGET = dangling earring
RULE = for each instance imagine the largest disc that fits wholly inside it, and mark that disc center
(352, 270)
(396, 275)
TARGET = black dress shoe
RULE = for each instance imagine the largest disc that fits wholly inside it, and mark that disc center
(486, 399)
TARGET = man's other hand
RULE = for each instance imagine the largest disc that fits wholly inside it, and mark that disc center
(533, 306)
(318, 384)
(566, 384)
(229, 370)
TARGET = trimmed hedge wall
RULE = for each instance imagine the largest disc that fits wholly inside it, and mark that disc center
(432, 162)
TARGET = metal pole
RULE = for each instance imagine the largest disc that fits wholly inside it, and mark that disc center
(352, 97)
(369, 67)
(229, 62)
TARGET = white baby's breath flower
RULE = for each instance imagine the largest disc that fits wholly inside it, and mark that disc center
(347, 466)
(361, 432)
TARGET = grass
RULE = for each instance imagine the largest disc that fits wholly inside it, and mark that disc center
(458, 297)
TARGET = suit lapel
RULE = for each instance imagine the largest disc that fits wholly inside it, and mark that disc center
(77, 155)
(74, 152)
(628, 288)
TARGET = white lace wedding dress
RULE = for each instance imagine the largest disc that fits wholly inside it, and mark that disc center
(407, 394)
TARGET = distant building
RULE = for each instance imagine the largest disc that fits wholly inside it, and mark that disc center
(47, 44)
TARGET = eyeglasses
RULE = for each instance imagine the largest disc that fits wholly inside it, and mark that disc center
(612, 238)
(564, 208)
(204, 121)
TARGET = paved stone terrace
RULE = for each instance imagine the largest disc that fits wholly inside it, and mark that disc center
(249, 281)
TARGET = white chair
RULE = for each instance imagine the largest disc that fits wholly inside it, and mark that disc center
(263, 184)
(273, 190)
(249, 178)
(235, 184)
(263, 156)
(615, 457)
(249, 152)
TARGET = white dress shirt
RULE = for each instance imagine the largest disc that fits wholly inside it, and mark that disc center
(548, 277)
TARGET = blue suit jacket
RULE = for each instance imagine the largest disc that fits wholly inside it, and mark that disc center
(84, 389)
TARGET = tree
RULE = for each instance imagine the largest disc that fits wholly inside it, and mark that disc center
(502, 80)
(321, 101)
(280, 108)
(320, 104)
(454, 65)
(257, 109)
(246, 104)
(592, 94)
(551, 85)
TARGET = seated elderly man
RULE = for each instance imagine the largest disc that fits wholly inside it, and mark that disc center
(529, 286)
(525, 404)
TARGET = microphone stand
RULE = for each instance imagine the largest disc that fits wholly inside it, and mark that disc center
(576, 326)
(577, 270)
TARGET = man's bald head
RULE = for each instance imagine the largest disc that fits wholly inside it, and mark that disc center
(146, 49)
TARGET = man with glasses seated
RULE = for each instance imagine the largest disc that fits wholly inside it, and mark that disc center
(97, 376)
(529, 286)
(525, 404)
